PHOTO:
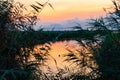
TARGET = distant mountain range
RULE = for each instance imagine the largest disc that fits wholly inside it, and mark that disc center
(61, 26)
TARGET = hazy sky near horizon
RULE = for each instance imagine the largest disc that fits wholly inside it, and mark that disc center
(69, 9)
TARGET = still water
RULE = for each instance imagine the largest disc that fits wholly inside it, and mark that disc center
(56, 56)
(57, 53)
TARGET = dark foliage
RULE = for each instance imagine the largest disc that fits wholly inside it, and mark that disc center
(106, 53)
(16, 42)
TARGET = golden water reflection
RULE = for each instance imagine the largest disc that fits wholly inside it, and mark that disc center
(57, 52)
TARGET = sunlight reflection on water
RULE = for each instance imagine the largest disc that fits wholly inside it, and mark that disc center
(57, 53)
(56, 59)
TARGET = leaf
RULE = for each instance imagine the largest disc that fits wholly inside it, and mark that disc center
(35, 7)
(50, 5)
(40, 4)
(70, 55)
(3, 75)
(42, 49)
(39, 57)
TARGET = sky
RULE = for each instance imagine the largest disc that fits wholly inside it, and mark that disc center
(69, 9)
(67, 12)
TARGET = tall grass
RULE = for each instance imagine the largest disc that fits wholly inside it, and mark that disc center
(14, 50)
(98, 60)
(106, 54)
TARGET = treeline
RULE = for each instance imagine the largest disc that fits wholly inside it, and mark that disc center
(44, 36)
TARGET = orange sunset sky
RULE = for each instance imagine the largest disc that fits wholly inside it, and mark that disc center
(69, 9)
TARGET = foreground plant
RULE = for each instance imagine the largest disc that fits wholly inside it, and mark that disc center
(16, 42)
(106, 53)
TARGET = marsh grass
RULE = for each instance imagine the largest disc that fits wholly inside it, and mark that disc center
(106, 55)
(98, 60)
(15, 28)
